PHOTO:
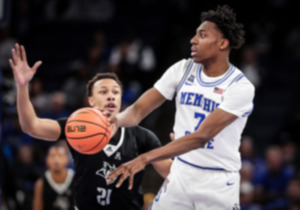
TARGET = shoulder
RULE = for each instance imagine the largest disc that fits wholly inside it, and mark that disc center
(140, 131)
(241, 82)
(183, 64)
(145, 138)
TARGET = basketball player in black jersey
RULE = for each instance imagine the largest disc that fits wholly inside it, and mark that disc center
(90, 187)
(54, 190)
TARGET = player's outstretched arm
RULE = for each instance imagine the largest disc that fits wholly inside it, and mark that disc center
(210, 127)
(39, 128)
(135, 113)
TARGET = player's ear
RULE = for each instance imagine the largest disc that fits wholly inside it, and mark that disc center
(224, 44)
(91, 101)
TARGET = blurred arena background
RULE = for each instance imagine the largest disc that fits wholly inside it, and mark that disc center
(139, 40)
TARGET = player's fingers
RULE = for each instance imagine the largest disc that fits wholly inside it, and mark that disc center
(106, 113)
(122, 179)
(18, 51)
(14, 56)
(12, 65)
(131, 176)
(36, 65)
(112, 175)
(172, 136)
(23, 53)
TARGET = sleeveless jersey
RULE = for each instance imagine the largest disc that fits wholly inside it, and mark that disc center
(58, 196)
(198, 95)
(91, 190)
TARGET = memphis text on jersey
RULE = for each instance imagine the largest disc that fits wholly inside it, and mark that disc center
(194, 99)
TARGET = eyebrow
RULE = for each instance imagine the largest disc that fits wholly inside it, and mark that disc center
(115, 86)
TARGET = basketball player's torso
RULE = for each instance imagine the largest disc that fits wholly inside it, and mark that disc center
(58, 196)
(91, 188)
(197, 97)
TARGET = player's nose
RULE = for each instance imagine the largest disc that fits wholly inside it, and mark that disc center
(110, 97)
(192, 41)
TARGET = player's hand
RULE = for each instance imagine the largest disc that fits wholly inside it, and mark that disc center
(22, 72)
(126, 170)
(172, 136)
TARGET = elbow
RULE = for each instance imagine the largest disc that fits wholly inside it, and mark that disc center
(202, 139)
(27, 128)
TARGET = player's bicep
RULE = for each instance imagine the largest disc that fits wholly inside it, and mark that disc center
(215, 122)
(46, 129)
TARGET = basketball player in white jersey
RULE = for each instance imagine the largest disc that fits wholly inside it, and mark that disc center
(213, 102)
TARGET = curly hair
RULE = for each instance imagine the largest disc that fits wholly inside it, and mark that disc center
(101, 76)
(225, 19)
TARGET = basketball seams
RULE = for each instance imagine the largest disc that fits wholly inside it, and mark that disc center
(99, 143)
(84, 121)
(79, 138)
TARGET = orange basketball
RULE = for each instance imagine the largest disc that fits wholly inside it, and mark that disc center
(87, 130)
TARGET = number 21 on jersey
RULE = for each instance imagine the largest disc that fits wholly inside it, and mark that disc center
(200, 117)
(104, 196)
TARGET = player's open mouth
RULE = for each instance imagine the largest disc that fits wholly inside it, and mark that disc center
(193, 51)
(110, 107)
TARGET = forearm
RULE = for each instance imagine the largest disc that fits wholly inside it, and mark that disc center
(175, 148)
(135, 113)
(27, 115)
(31, 124)
(129, 117)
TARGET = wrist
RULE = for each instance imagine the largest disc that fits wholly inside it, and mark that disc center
(145, 158)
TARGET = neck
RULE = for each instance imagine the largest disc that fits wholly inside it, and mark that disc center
(215, 68)
(59, 176)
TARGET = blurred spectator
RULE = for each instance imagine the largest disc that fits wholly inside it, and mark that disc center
(250, 66)
(27, 172)
(74, 88)
(58, 106)
(272, 184)
(247, 171)
(98, 54)
(134, 63)
(290, 153)
(291, 200)
(54, 190)
(55, 9)
(90, 10)
(39, 98)
(6, 44)
(247, 201)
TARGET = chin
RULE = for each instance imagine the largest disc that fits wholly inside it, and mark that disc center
(196, 60)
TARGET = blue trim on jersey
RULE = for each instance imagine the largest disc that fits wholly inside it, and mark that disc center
(236, 79)
(201, 167)
(216, 83)
(188, 69)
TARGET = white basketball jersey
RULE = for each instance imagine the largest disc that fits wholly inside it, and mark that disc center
(198, 95)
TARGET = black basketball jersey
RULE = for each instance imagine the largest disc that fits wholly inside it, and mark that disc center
(58, 196)
(91, 190)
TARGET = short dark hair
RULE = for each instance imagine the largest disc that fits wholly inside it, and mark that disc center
(225, 19)
(99, 76)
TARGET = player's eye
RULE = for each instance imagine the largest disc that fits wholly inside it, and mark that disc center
(202, 35)
(116, 92)
(102, 91)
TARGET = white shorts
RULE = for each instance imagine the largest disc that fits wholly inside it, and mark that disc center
(188, 187)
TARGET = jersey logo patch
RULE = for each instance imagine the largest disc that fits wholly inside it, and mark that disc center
(118, 156)
(218, 90)
(105, 170)
(190, 80)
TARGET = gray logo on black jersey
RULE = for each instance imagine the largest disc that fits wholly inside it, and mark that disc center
(105, 170)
